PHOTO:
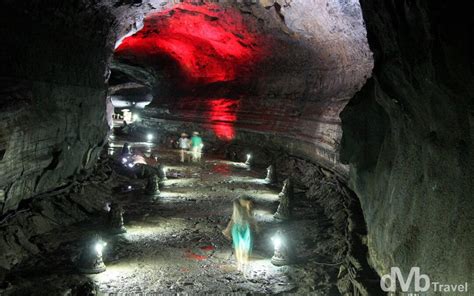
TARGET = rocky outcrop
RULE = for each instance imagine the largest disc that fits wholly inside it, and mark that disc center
(407, 136)
(47, 212)
(54, 60)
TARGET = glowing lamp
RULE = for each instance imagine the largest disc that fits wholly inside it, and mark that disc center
(129, 187)
(124, 160)
(280, 254)
(99, 246)
(247, 162)
(276, 242)
(271, 175)
(149, 137)
(130, 165)
(90, 260)
(164, 170)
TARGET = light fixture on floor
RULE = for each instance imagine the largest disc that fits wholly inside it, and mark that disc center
(149, 137)
(249, 157)
(286, 201)
(271, 175)
(153, 186)
(163, 172)
(91, 260)
(280, 253)
(116, 219)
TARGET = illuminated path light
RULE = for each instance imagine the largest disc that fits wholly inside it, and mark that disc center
(286, 201)
(90, 260)
(271, 177)
(247, 161)
(280, 255)
(169, 240)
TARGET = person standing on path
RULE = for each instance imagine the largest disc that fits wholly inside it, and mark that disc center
(183, 144)
(196, 146)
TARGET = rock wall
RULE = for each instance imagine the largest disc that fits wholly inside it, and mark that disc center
(54, 60)
(407, 136)
(291, 100)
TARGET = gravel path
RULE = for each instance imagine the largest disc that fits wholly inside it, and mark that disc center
(175, 246)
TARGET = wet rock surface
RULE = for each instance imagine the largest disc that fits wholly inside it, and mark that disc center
(174, 243)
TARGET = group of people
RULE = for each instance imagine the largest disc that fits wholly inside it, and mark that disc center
(193, 146)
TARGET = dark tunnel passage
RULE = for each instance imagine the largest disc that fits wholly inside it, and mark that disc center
(300, 147)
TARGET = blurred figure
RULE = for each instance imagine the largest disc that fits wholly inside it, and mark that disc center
(196, 146)
(183, 144)
(241, 228)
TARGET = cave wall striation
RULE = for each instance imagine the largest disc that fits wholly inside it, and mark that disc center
(407, 137)
(54, 59)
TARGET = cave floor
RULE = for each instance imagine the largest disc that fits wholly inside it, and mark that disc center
(174, 245)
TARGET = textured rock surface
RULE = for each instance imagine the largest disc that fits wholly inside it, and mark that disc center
(407, 136)
(294, 93)
(52, 100)
(407, 133)
(18, 231)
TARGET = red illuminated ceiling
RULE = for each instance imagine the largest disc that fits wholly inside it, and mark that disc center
(206, 43)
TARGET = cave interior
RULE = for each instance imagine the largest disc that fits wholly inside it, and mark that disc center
(338, 132)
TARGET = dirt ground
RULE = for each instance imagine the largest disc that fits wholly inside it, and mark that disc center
(174, 244)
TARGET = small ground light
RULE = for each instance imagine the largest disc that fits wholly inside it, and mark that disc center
(249, 156)
(115, 217)
(99, 246)
(149, 137)
(129, 187)
(271, 175)
(280, 254)
(165, 169)
(124, 160)
(90, 260)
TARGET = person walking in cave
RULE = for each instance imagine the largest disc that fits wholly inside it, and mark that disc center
(183, 144)
(241, 229)
(196, 147)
